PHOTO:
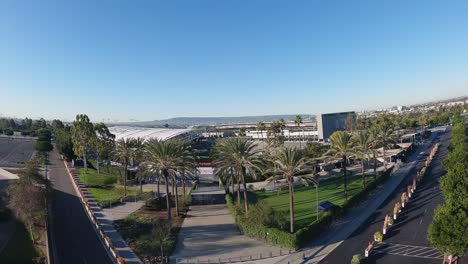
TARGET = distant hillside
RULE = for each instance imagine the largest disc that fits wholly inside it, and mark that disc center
(205, 121)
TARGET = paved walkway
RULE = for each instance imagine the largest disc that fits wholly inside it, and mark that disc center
(209, 234)
(121, 211)
(342, 228)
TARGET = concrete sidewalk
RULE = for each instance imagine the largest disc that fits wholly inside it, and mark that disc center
(121, 211)
(342, 228)
(209, 235)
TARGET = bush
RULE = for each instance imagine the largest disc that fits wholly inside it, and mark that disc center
(356, 259)
(255, 227)
(8, 132)
(378, 237)
(43, 146)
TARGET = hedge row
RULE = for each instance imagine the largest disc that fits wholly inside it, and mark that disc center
(304, 235)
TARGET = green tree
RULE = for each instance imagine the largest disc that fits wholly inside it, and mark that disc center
(288, 164)
(164, 157)
(447, 232)
(342, 147)
(241, 155)
(103, 143)
(83, 134)
(298, 122)
(385, 137)
(123, 154)
(261, 127)
(362, 145)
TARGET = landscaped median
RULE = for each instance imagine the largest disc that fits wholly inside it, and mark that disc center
(309, 228)
(389, 219)
(90, 205)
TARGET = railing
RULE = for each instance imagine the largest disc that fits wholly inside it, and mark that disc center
(235, 259)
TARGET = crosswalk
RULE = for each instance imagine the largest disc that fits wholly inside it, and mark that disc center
(408, 251)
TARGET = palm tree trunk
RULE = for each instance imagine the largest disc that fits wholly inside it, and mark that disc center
(291, 206)
(375, 167)
(183, 184)
(141, 184)
(345, 178)
(245, 193)
(173, 190)
(317, 198)
(384, 159)
(174, 181)
(363, 173)
(168, 201)
(125, 180)
(238, 189)
(159, 181)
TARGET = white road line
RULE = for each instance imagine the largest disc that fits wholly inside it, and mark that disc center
(420, 222)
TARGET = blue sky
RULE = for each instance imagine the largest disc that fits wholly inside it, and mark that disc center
(146, 60)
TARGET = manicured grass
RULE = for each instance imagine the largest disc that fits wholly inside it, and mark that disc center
(305, 197)
(20, 249)
(111, 193)
(92, 179)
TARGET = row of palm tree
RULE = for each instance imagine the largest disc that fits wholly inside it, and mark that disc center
(361, 145)
(170, 160)
(235, 157)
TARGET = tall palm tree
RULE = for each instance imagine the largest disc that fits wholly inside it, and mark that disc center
(385, 127)
(290, 163)
(123, 154)
(361, 140)
(241, 155)
(137, 158)
(163, 157)
(261, 127)
(374, 143)
(223, 164)
(342, 147)
(298, 122)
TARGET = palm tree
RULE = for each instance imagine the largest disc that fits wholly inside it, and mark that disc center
(374, 145)
(341, 147)
(223, 164)
(261, 127)
(290, 163)
(385, 127)
(298, 123)
(123, 154)
(137, 157)
(164, 157)
(240, 154)
(361, 141)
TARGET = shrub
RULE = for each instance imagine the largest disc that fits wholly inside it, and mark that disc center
(8, 132)
(356, 259)
(378, 237)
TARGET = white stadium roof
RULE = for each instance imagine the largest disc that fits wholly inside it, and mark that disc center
(147, 133)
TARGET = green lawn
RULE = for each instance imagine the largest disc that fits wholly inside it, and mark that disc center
(103, 186)
(20, 249)
(304, 197)
(113, 193)
(92, 179)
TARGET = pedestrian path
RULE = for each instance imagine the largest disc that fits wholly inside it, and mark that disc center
(103, 225)
(122, 211)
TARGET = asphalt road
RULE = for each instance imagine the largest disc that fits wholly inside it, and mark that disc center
(410, 227)
(73, 237)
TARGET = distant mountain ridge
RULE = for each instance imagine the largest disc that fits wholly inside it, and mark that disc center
(206, 121)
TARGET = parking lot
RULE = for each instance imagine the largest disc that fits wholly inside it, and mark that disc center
(15, 152)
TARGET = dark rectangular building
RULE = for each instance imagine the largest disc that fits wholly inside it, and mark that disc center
(329, 123)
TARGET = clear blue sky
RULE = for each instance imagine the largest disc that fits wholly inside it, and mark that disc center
(146, 60)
